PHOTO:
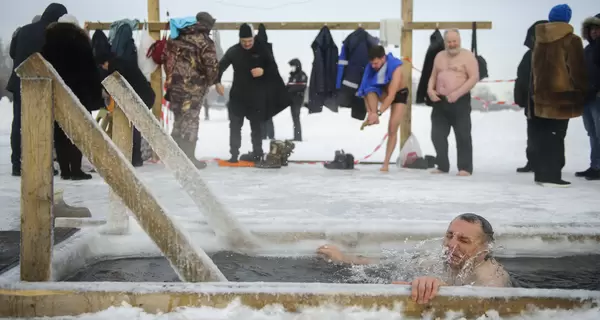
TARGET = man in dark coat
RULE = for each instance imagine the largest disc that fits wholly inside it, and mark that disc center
(322, 90)
(297, 87)
(254, 73)
(522, 92)
(68, 48)
(591, 114)
(110, 63)
(26, 42)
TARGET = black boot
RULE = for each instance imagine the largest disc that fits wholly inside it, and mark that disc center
(341, 161)
(251, 157)
(593, 175)
(585, 173)
(527, 168)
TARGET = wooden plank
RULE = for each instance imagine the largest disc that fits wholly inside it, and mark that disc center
(37, 179)
(371, 25)
(122, 135)
(406, 51)
(78, 222)
(223, 222)
(187, 260)
(70, 299)
(431, 25)
(158, 26)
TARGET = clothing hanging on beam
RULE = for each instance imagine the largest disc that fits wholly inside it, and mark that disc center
(120, 37)
(436, 45)
(217, 40)
(322, 85)
(353, 58)
(115, 26)
(176, 24)
(390, 32)
(483, 69)
(277, 98)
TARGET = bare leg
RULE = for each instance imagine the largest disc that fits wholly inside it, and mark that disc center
(371, 102)
(396, 115)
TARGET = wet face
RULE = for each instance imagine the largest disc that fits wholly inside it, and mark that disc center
(595, 32)
(247, 43)
(377, 63)
(452, 42)
(464, 240)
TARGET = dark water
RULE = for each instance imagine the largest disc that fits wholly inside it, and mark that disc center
(577, 272)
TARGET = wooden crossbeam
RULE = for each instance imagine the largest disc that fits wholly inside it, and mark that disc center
(28, 300)
(370, 25)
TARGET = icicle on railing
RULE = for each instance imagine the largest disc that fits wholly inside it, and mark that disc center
(223, 222)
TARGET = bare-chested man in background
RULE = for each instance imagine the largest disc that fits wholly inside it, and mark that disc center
(455, 73)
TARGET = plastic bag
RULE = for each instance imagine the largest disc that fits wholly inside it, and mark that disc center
(146, 64)
(410, 152)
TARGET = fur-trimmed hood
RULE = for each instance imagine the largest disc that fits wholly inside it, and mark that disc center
(552, 31)
(587, 23)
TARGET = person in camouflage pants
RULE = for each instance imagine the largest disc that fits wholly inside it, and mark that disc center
(191, 67)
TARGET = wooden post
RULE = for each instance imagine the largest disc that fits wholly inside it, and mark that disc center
(117, 221)
(156, 78)
(37, 179)
(406, 53)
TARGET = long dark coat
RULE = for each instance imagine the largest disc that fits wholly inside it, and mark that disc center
(321, 89)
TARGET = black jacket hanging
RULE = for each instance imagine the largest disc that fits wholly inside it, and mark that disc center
(436, 45)
(483, 69)
(321, 89)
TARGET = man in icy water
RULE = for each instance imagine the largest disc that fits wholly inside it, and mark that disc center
(467, 259)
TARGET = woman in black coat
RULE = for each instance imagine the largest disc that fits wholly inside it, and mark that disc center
(68, 48)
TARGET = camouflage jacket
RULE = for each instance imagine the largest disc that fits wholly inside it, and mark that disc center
(191, 65)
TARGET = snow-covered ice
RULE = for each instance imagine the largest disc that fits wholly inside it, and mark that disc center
(307, 195)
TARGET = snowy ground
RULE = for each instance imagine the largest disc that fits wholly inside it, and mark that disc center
(303, 192)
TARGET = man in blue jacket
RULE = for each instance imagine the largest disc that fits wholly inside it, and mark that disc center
(591, 113)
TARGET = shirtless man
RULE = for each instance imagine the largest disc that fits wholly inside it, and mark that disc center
(468, 260)
(455, 73)
(392, 94)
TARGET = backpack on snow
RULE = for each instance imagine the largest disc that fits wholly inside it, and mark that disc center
(156, 50)
(483, 69)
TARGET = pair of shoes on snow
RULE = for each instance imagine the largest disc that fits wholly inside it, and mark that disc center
(341, 161)
(590, 174)
(279, 153)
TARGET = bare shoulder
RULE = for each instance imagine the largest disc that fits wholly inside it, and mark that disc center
(468, 54)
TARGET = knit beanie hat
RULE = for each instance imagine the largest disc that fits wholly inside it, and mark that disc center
(560, 13)
(245, 31)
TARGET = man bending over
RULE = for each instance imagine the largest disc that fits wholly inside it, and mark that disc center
(455, 73)
(467, 259)
(383, 82)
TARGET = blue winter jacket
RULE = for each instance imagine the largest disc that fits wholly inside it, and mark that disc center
(374, 81)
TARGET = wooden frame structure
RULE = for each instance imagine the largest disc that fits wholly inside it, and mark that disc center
(43, 89)
(46, 98)
(154, 27)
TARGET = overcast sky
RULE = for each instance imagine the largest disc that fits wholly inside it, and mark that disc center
(502, 46)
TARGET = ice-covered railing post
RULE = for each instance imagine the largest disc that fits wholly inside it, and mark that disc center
(37, 178)
(117, 221)
(223, 222)
(191, 263)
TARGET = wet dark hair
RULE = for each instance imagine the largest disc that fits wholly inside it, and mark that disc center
(376, 52)
(486, 226)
